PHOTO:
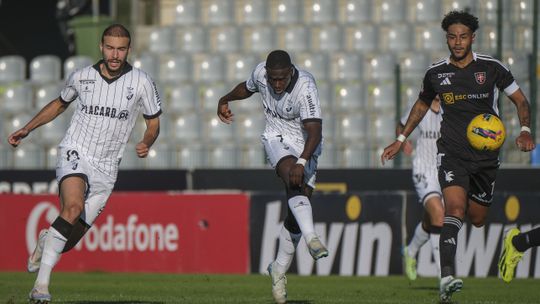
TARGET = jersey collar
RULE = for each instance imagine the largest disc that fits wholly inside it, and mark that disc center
(473, 57)
(294, 79)
(126, 69)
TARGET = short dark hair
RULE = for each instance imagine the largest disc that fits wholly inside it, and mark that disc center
(116, 30)
(278, 59)
(462, 17)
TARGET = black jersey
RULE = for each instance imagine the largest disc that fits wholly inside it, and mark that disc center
(465, 93)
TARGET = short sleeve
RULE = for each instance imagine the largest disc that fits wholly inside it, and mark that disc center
(427, 93)
(252, 84)
(505, 80)
(150, 99)
(310, 106)
(69, 93)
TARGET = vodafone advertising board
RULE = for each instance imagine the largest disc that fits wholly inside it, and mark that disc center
(138, 232)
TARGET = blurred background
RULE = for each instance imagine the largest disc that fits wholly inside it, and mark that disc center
(368, 58)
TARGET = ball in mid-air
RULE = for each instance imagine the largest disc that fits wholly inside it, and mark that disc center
(486, 132)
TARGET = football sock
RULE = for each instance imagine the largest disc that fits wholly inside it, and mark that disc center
(287, 246)
(419, 238)
(301, 209)
(434, 239)
(52, 250)
(448, 244)
(526, 240)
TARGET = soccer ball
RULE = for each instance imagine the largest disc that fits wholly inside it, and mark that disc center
(486, 132)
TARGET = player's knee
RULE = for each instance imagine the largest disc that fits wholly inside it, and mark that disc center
(71, 212)
(478, 222)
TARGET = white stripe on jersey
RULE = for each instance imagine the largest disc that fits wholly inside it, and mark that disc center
(425, 158)
(285, 112)
(106, 113)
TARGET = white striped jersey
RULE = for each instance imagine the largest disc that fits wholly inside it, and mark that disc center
(106, 112)
(286, 112)
(425, 158)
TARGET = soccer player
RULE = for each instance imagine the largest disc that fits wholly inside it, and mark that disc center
(515, 244)
(427, 186)
(109, 95)
(467, 84)
(292, 140)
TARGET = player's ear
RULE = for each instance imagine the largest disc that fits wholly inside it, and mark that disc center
(473, 37)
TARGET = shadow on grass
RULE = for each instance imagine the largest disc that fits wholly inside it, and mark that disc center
(299, 302)
(425, 288)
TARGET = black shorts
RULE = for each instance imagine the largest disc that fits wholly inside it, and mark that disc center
(476, 177)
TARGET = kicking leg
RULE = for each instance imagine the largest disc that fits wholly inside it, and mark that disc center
(72, 191)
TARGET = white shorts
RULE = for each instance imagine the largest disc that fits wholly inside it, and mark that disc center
(278, 147)
(98, 185)
(426, 183)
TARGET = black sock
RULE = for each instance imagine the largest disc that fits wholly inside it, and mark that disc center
(526, 240)
(448, 244)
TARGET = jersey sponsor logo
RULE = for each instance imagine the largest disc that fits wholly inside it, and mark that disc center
(156, 93)
(445, 75)
(480, 77)
(311, 105)
(429, 134)
(288, 109)
(105, 112)
(446, 81)
(448, 98)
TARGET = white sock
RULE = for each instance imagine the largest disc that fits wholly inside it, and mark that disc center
(420, 237)
(287, 246)
(434, 240)
(301, 209)
(54, 244)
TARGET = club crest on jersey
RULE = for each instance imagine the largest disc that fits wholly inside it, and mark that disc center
(129, 93)
(480, 77)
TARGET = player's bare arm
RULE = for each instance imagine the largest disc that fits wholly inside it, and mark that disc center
(238, 93)
(524, 141)
(407, 144)
(150, 136)
(418, 112)
(314, 136)
(47, 114)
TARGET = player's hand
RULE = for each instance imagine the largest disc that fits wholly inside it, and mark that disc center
(142, 150)
(224, 113)
(525, 142)
(16, 137)
(391, 151)
(296, 175)
(407, 147)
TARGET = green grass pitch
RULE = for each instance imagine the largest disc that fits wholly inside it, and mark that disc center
(109, 288)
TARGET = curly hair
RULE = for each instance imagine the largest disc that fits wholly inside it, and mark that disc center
(462, 17)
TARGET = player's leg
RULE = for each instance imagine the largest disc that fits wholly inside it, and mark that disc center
(72, 193)
(420, 237)
(435, 210)
(455, 198)
(526, 240)
(514, 246)
(79, 230)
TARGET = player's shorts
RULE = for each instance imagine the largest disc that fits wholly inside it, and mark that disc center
(477, 178)
(426, 183)
(98, 185)
(278, 147)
